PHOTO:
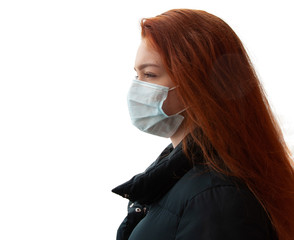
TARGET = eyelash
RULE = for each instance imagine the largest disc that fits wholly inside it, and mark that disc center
(147, 75)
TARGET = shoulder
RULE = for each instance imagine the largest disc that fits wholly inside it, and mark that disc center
(225, 212)
(198, 182)
(216, 207)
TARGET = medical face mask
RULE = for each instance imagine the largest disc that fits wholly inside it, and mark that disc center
(145, 107)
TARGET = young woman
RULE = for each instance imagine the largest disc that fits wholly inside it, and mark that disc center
(228, 173)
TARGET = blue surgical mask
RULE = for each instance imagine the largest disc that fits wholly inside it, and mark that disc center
(145, 107)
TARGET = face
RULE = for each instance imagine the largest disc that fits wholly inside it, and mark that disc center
(149, 68)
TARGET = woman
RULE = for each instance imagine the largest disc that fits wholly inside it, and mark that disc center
(228, 172)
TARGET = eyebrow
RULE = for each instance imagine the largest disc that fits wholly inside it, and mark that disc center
(142, 66)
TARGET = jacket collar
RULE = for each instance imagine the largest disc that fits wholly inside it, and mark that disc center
(158, 178)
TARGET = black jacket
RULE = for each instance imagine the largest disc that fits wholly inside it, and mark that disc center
(173, 200)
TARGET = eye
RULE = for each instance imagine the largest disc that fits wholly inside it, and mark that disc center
(145, 76)
(149, 75)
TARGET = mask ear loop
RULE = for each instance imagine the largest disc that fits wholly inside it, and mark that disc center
(182, 110)
(172, 88)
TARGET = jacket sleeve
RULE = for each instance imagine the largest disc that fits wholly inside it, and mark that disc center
(224, 212)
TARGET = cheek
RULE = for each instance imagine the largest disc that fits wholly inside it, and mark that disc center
(172, 105)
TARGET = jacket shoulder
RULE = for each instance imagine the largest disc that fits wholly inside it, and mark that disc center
(213, 206)
(193, 183)
(224, 212)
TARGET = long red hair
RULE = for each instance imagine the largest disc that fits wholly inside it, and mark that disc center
(228, 114)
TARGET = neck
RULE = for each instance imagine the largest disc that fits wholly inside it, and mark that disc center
(178, 136)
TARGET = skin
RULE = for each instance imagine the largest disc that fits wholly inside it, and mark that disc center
(149, 68)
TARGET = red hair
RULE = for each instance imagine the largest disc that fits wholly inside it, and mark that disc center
(228, 114)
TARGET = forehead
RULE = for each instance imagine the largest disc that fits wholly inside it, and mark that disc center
(147, 54)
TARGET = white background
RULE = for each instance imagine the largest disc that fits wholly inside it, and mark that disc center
(65, 135)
